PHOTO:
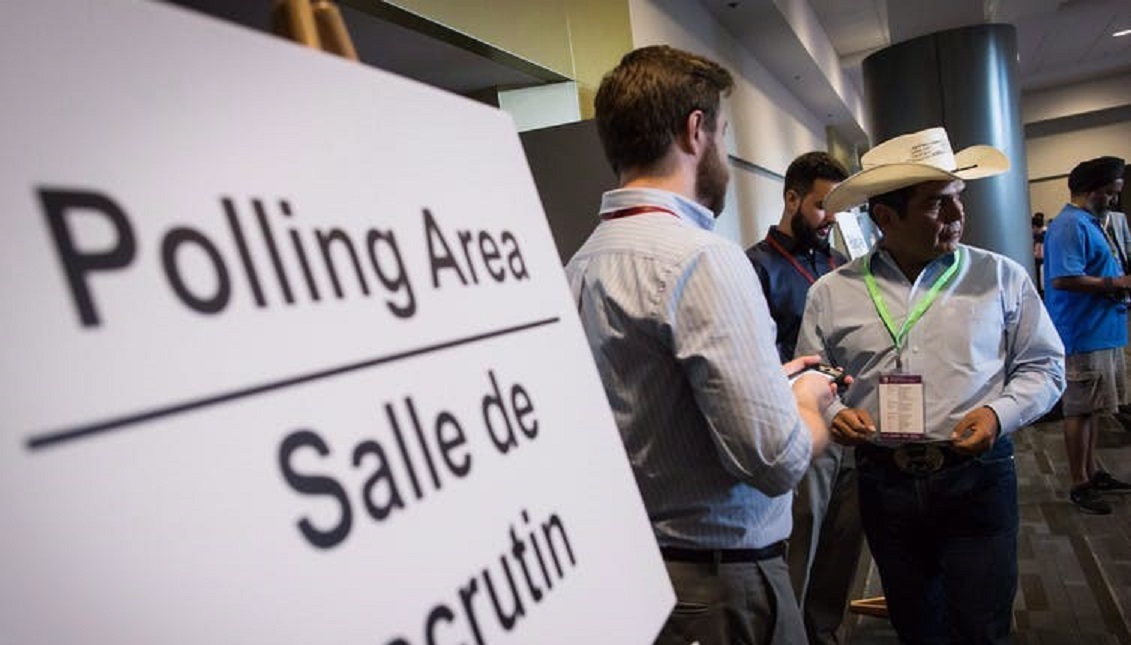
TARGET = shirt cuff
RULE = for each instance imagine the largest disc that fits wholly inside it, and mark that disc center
(1008, 416)
(834, 409)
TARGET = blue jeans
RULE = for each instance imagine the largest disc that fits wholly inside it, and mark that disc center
(945, 545)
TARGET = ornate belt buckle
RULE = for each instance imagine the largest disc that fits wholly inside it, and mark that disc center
(918, 459)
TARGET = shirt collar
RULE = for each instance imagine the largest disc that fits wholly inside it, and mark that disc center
(691, 212)
(933, 269)
(1099, 219)
(787, 242)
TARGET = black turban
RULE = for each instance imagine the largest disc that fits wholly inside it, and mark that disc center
(1094, 173)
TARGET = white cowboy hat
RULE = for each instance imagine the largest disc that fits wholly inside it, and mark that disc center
(912, 159)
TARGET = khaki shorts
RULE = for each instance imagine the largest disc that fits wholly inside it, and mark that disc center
(1095, 382)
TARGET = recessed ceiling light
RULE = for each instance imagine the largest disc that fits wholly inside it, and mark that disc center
(1125, 32)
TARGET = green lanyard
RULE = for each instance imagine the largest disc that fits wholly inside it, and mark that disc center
(916, 312)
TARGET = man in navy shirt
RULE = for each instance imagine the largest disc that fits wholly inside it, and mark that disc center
(1086, 295)
(797, 251)
(824, 546)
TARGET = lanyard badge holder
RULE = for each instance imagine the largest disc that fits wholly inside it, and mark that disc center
(902, 408)
(902, 401)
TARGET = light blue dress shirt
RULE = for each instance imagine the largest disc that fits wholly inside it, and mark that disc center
(684, 344)
(985, 341)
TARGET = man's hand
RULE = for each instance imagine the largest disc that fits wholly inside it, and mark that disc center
(852, 427)
(813, 393)
(800, 363)
(976, 432)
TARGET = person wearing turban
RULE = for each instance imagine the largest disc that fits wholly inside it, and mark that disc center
(1086, 293)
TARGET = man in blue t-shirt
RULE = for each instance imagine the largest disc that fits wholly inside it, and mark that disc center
(1086, 294)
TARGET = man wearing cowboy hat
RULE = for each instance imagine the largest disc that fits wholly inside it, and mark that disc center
(1086, 296)
(952, 352)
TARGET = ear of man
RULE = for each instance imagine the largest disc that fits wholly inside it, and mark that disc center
(882, 215)
(792, 200)
(694, 137)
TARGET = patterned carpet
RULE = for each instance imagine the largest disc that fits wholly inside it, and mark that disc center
(1075, 569)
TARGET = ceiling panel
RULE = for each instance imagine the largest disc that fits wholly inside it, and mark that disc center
(1059, 41)
(1073, 42)
(854, 26)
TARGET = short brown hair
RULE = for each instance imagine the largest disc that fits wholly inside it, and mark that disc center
(643, 103)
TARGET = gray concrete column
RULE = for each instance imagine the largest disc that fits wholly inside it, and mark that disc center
(965, 80)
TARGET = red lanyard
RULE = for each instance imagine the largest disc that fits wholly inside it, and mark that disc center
(792, 260)
(637, 210)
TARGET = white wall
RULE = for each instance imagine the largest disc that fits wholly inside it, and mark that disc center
(1076, 122)
(769, 126)
(1091, 96)
(1052, 157)
(541, 106)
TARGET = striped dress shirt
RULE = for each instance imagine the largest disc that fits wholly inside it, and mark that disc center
(684, 344)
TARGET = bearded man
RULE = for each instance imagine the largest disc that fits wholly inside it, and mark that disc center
(1087, 297)
(824, 547)
(685, 350)
(796, 251)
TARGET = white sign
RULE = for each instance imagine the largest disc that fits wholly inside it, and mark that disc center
(288, 357)
(855, 241)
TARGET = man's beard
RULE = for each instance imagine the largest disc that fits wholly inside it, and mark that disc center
(805, 237)
(711, 177)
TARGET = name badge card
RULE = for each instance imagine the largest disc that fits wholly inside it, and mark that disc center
(902, 409)
(288, 357)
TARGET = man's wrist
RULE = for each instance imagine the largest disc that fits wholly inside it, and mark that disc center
(997, 421)
(999, 428)
(1109, 283)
